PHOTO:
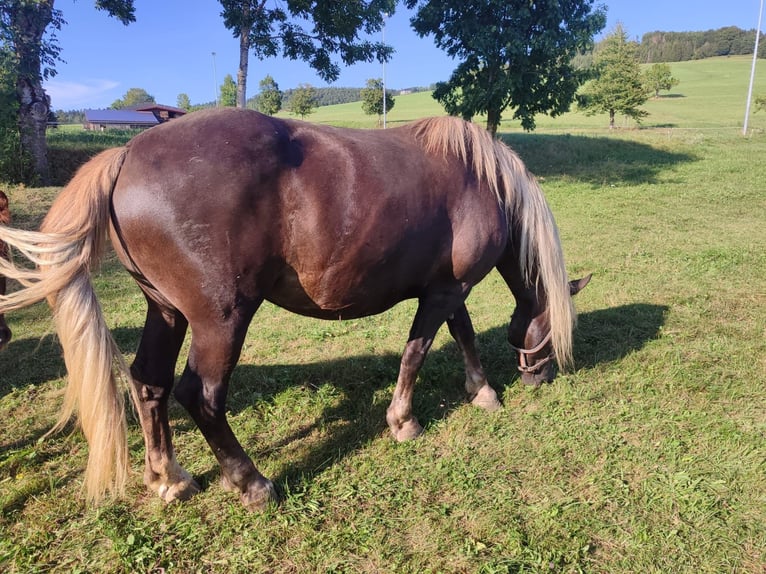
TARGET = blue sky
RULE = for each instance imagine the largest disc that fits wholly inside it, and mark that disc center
(169, 49)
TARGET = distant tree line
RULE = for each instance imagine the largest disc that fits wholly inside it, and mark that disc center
(683, 46)
(330, 96)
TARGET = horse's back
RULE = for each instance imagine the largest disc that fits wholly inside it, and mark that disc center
(322, 221)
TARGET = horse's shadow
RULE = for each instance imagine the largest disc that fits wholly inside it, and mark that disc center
(602, 336)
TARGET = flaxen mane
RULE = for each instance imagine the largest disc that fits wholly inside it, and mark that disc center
(518, 191)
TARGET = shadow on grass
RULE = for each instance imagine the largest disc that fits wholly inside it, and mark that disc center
(593, 159)
(602, 336)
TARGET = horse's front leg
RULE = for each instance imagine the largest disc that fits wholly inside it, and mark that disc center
(433, 310)
(202, 390)
(476, 385)
(153, 372)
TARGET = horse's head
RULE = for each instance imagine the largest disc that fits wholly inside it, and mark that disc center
(529, 334)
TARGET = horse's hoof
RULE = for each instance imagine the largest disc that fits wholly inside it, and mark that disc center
(407, 430)
(183, 489)
(259, 495)
(487, 399)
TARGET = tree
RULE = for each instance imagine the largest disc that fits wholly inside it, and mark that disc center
(11, 161)
(618, 86)
(372, 98)
(28, 30)
(659, 77)
(281, 27)
(133, 97)
(513, 54)
(303, 101)
(228, 96)
(183, 102)
(269, 101)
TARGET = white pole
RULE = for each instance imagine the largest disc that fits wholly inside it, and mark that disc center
(752, 71)
(215, 83)
(384, 72)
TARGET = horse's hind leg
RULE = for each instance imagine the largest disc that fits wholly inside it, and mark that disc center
(479, 391)
(202, 390)
(153, 372)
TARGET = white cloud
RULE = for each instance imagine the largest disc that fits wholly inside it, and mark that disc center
(78, 95)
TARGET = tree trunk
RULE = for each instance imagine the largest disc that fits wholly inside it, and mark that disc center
(493, 121)
(29, 21)
(244, 52)
(611, 119)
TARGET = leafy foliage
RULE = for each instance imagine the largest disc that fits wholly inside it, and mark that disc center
(133, 97)
(11, 159)
(682, 46)
(513, 54)
(618, 87)
(269, 100)
(228, 95)
(372, 98)
(183, 101)
(308, 30)
(28, 30)
(659, 77)
(303, 100)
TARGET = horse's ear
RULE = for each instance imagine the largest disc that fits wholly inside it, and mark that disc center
(577, 285)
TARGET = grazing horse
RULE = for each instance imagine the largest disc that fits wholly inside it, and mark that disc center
(5, 219)
(218, 211)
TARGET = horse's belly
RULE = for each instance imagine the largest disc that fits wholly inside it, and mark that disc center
(337, 299)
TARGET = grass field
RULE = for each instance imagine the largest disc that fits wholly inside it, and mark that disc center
(648, 456)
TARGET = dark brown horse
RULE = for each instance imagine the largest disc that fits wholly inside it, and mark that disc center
(5, 219)
(217, 212)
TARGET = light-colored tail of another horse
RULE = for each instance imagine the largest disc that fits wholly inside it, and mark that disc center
(68, 246)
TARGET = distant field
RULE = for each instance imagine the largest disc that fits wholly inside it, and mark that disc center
(712, 94)
(648, 456)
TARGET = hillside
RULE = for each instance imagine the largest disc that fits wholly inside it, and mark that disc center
(712, 94)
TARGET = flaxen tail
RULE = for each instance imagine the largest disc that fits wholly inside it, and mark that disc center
(68, 246)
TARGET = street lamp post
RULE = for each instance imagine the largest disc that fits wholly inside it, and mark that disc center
(215, 83)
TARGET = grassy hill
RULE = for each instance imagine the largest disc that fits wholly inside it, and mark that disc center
(712, 94)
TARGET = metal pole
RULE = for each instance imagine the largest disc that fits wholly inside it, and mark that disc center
(215, 83)
(752, 70)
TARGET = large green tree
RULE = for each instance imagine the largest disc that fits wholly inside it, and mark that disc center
(308, 30)
(28, 32)
(513, 54)
(372, 98)
(618, 87)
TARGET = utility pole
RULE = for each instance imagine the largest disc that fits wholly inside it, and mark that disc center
(752, 70)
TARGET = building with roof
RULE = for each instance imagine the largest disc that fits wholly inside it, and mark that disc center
(136, 118)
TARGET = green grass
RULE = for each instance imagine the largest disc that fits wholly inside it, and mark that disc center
(648, 456)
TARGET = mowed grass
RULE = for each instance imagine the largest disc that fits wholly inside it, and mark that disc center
(648, 456)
